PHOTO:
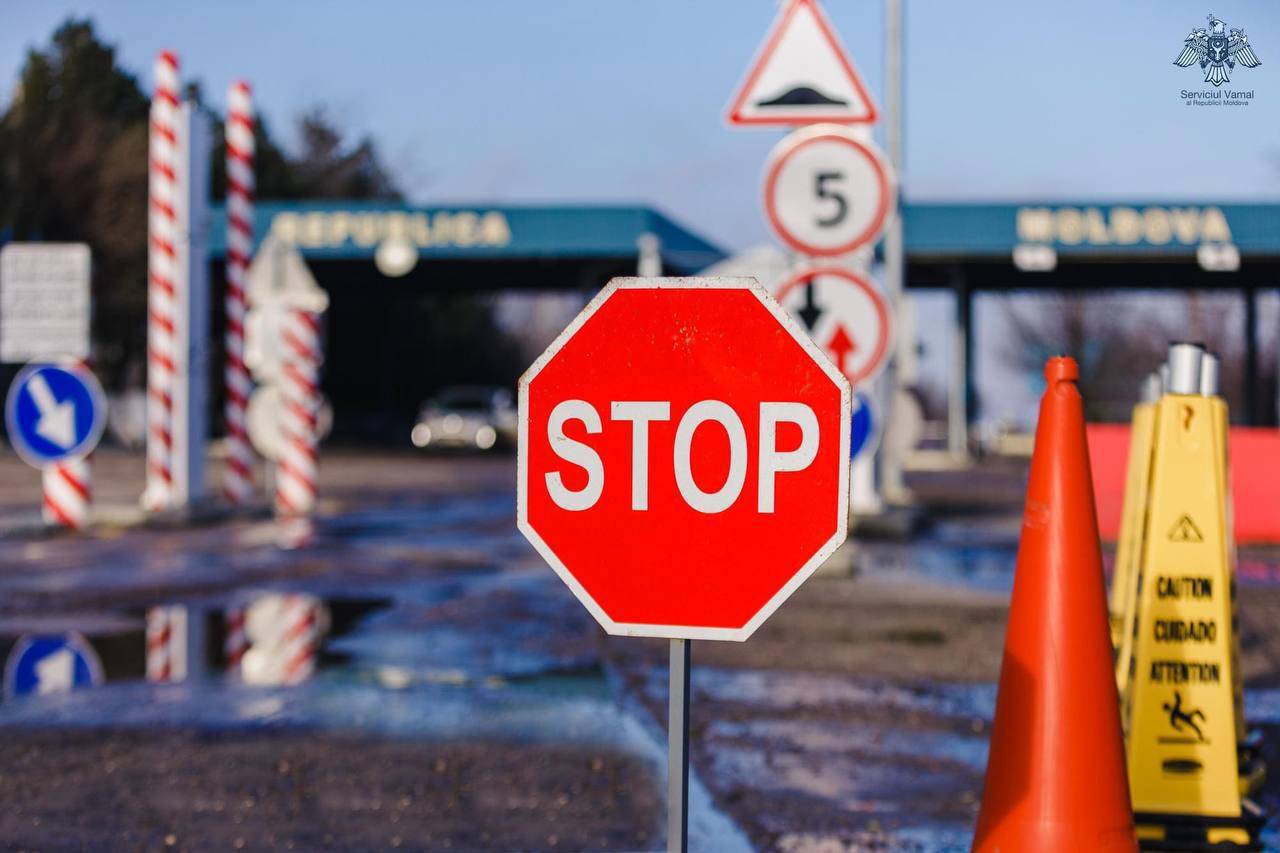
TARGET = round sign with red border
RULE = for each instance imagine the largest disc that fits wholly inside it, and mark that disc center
(845, 315)
(827, 192)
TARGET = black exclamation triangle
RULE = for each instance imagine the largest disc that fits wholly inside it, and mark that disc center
(1185, 530)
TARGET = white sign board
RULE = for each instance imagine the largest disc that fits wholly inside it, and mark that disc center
(278, 282)
(263, 421)
(827, 192)
(802, 75)
(44, 301)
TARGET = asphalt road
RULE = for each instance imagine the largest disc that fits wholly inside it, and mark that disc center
(465, 701)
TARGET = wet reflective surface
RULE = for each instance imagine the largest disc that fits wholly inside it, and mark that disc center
(857, 717)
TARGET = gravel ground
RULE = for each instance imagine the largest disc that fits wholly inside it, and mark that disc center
(857, 717)
(805, 732)
(297, 790)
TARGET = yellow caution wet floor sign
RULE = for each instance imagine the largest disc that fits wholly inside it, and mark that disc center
(1181, 705)
(1124, 579)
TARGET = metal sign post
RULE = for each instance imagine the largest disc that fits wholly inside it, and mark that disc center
(894, 258)
(678, 748)
(190, 427)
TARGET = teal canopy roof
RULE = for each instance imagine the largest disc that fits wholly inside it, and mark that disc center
(354, 229)
(1101, 229)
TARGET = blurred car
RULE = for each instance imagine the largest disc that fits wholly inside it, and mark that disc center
(466, 416)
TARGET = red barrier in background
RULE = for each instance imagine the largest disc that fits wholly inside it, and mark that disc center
(1255, 479)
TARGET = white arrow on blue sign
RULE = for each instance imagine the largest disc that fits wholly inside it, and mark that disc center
(54, 663)
(54, 412)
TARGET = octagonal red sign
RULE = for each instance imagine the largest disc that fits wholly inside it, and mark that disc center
(683, 460)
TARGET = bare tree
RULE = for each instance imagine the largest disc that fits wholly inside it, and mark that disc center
(1118, 338)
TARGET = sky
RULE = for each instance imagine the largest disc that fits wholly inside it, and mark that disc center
(569, 100)
(581, 100)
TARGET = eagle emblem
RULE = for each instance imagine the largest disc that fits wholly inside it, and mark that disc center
(1217, 51)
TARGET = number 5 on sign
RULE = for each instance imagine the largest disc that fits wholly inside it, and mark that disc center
(822, 190)
(828, 192)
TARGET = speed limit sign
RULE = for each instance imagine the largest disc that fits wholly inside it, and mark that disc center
(827, 192)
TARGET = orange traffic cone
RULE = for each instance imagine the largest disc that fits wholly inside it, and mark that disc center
(1056, 778)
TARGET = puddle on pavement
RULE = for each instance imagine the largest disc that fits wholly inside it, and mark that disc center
(481, 522)
(439, 602)
(480, 648)
(463, 656)
(463, 652)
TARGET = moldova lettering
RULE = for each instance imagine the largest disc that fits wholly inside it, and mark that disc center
(1122, 226)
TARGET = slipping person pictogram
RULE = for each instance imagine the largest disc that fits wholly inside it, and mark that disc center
(1178, 717)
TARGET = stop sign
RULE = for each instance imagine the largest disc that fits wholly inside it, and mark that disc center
(683, 459)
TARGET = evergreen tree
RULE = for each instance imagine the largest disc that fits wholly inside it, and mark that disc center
(73, 167)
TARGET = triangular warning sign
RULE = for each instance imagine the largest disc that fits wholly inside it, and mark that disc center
(802, 75)
(1185, 530)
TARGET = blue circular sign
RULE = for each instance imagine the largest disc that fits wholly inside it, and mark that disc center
(50, 663)
(864, 426)
(54, 412)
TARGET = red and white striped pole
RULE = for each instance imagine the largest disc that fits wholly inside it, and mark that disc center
(68, 493)
(301, 638)
(285, 633)
(166, 643)
(238, 476)
(237, 641)
(300, 404)
(294, 532)
(162, 283)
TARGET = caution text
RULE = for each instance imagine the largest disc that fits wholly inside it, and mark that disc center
(1183, 587)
